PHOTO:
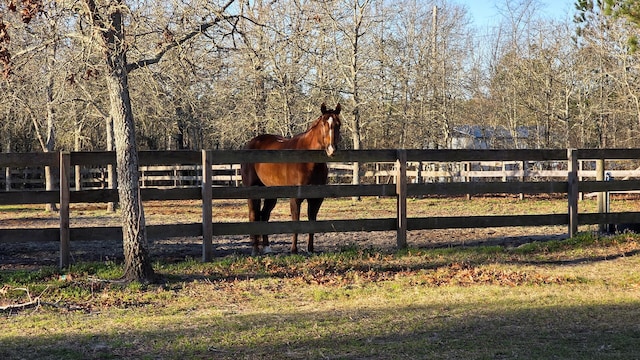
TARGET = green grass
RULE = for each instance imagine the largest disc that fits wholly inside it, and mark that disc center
(17, 208)
(572, 299)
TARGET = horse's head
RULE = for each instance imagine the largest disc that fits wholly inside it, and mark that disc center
(330, 123)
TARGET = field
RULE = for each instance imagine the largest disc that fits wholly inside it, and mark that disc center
(464, 294)
(31, 254)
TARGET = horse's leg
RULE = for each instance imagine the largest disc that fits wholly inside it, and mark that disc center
(254, 215)
(295, 216)
(265, 214)
(313, 207)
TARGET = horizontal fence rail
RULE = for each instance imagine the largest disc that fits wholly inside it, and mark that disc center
(404, 167)
(171, 176)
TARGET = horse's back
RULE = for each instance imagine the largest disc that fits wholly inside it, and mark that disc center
(280, 174)
(267, 142)
(249, 171)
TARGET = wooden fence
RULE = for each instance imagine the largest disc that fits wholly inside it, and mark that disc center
(172, 176)
(189, 175)
(401, 189)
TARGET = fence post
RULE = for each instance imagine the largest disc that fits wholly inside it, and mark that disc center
(207, 212)
(572, 191)
(112, 183)
(355, 178)
(7, 170)
(401, 193)
(467, 179)
(7, 179)
(607, 203)
(77, 177)
(523, 166)
(65, 172)
(580, 178)
(601, 195)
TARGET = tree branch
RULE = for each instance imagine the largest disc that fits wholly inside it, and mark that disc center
(201, 29)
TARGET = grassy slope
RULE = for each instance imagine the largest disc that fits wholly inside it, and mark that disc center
(578, 298)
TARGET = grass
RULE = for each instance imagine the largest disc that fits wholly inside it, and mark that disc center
(568, 299)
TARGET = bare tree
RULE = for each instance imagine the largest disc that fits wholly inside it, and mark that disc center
(43, 102)
(102, 24)
(109, 32)
(351, 20)
(612, 67)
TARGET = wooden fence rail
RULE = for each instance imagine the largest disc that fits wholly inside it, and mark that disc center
(401, 189)
(190, 175)
(171, 176)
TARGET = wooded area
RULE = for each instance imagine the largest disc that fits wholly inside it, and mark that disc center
(409, 73)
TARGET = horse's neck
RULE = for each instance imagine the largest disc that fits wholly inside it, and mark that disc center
(308, 139)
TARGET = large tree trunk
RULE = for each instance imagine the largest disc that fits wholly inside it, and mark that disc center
(134, 241)
(134, 236)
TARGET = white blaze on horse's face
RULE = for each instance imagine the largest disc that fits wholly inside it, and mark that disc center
(330, 148)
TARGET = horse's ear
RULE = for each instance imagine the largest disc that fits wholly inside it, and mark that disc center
(338, 108)
(323, 108)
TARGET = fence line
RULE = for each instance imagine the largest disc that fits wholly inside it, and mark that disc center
(401, 189)
(171, 176)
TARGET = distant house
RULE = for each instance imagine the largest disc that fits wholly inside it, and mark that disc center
(489, 137)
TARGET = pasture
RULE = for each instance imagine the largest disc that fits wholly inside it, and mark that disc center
(569, 164)
(495, 293)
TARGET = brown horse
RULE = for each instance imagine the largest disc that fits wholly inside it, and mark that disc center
(324, 134)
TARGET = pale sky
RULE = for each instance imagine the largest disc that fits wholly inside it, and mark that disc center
(485, 12)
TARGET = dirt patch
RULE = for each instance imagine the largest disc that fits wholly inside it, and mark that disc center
(30, 254)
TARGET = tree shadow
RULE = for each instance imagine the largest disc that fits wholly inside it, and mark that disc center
(438, 331)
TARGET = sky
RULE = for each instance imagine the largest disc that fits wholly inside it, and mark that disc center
(485, 12)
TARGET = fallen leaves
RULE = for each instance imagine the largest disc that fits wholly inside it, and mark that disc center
(460, 274)
(329, 272)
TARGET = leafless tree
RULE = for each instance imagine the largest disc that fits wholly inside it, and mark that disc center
(101, 25)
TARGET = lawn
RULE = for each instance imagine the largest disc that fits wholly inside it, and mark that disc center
(565, 299)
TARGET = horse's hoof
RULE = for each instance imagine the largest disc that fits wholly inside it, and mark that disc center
(267, 250)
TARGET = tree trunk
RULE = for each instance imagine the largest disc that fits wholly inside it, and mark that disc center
(134, 235)
(111, 174)
(354, 80)
(50, 142)
(77, 144)
(355, 137)
(7, 170)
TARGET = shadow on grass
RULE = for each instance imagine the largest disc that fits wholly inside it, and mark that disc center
(438, 331)
(580, 260)
(458, 329)
(32, 255)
